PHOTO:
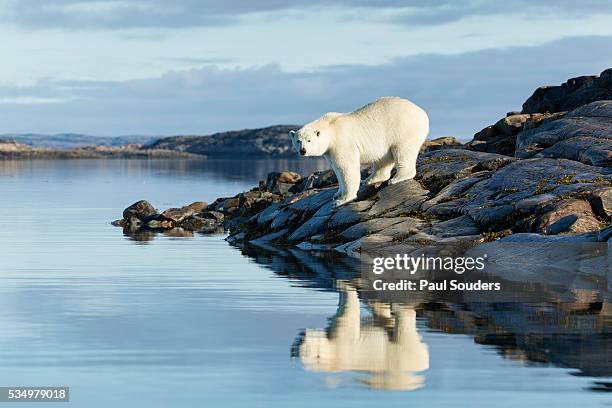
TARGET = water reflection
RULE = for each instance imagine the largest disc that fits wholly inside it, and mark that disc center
(387, 346)
(574, 334)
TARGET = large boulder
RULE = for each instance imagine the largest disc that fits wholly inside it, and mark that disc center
(524, 189)
(584, 134)
(564, 216)
(179, 214)
(501, 137)
(280, 182)
(441, 143)
(437, 169)
(140, 209)
(573, 93)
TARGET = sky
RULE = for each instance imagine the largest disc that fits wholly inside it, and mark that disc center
(154, 67)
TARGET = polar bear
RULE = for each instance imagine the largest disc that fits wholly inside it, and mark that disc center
(387, 133)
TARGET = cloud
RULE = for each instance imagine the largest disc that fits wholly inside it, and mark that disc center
(80, 14)
(442, 12)
(462, 93)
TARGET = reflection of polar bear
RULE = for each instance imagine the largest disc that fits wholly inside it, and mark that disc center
(387, 133)
(350, 345)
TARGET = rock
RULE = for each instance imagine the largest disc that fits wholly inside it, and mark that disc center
(309, 228)
(583, 135)
(437, 169)
(573, 93)
(585, 149)
(355, 247)
(178, 214)
(350, 213)
(197, 206)
(316, 180)
(141, 210)
(312, 203)
(601, 201)
(453, 191)
(273, 236)
(281, 182)
(283, 218)
(289, 177)
(254, 201)
(201, 224)
(501, 137)
(497, 202)
(440, 143)
(529, 205)
(402, 229)
(369, 227)
(213, 215)
(268, 215)
(229, 205)
(133, 223)
(236, 237)
(460, 226)
(160, 224)
(409, 195)
(572, 215)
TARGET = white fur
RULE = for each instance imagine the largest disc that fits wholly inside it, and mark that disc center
(387, 133)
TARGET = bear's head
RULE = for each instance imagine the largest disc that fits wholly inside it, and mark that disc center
(312, 139)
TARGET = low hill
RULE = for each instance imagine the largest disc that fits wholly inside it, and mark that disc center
(265, 142)
(74, 140)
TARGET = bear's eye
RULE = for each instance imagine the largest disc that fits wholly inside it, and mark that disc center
(317, 133)
(308, 140)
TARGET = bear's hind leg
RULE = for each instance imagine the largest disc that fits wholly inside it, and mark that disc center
(381, 173)
(405, 163)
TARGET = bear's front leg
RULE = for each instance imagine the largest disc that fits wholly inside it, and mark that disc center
(341, 186)
(349, 176)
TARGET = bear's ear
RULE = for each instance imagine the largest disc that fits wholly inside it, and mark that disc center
(318, 133)
(292, 133)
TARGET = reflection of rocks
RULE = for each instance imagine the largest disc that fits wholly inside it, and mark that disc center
(387, 347)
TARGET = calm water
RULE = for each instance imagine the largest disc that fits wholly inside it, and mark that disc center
(192, 321)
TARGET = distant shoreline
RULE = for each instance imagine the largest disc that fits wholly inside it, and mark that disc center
(94, 153)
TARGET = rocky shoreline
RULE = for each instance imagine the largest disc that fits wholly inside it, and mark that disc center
(544, 173)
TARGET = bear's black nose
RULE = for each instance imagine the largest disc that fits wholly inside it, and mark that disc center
(303, 151)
